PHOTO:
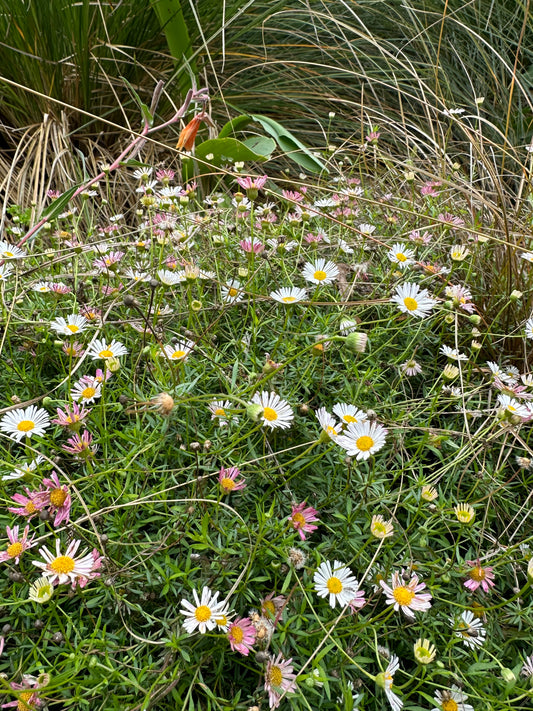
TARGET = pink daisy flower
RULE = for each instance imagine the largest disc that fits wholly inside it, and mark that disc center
(408, 597)
(479, 576)
(248, 246)
(252, 183)
(16, 546)
(227, 478)
(279, 679)
(71, 417)
(66, 568)
(57, 497)
(301, 519)
(241, 635)
(29, 507)
(81, 446)
(28, 697)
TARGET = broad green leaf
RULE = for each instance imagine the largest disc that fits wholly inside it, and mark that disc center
(290, 145)
(170, 16)
(222, 151)
(261, 144)
(236, 124)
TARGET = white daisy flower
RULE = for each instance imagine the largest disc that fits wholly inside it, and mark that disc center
(388, 677)
(103, 349)
(509, 404)
(86, 390)
(451, 700)
(470, 629)
(136, 275)
(64, 568)
(24, 469)
(345, 247)
(10, 251)
(453, 353)
(362, 439)
(367, 229)
(170, 278)
(406, 597)
(349, 413)
(42, 286)
(70, 326)
(401, 255)
(179, 350)
(289, 295)
(25, 422)
(328, 423)
(411, 299)
(218, 410)
(276, 412)
(5, 271)
(495, 369)
(348, 325)
(337, 581)
(206, 614)
(320, 271)
(231, 292)
(529, 328)
(528, 256)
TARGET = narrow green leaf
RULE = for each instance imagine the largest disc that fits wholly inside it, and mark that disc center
(56, 207)
(290, 145)
(170, 16)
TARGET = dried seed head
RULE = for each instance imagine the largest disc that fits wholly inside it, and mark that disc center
(164, 404)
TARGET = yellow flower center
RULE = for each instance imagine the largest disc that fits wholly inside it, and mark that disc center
(422, 652)
(464, 516)
(58, 497)
(320, 275)
(331, 430)
(364, 443)
(236, 634)
(14, 550)
(379, 528)
(478, 574)
(88, 392)
(410, 303)
(222, 621)
(8, 254)
(202, 613)
(401, 257)
(106, 353)
(30, 507)
(178, 354)
(449, 705)
(403, 595)
(299, 518)
(63, 564)
(26, 426)
(288, 299)
(23, 698)
(73, 328)
(270, 414)
(269, 606)
(220, 412)
(227, 483)
(275, 676)
(334, 585)
(233, 291)
(349, 418)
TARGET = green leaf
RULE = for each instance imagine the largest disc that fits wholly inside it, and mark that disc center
(236, 124)
(223, 151)
(145, 111)
(290, 145)
(260, 144)
(170, 16)
(56, 207)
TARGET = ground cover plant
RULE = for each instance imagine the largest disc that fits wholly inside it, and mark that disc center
(265, 438)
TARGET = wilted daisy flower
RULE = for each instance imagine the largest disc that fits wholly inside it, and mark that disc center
(479, 576)
(411, 299)
(527, 667)
(453, 353)
(103, 349)
(178, 351)
(451, 700)
(288, 295)
(320, 272)
(401, 255)
(337, 581)
(25, 469)
(362, 439)
(465, 513)
(241, 635)
(328, 423)
(450, 371)
(276, 412)
(41, 590)
(349, 413)
(227, 478)
(470, 629)
(25, 422)
(301, 519)
(429, 493)
(17, 545)
(64, 568)
(408, 597)
(385, 681)
(204, 614)
(279, 679)
(218, 408)
(459, 252)
(5, 271)
(410, 367)
(424, 651)
(230, 292)
(380, 528)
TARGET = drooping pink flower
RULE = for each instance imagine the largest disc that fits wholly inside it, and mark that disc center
(17, 545)
(248, 246)
(279, 679)
(301, 519)
(479, 576)
(28, 697)
(56, 497)
(81, 446)
(28, 506)
(252, 183)
(71, 417)
(227, 478)
(272, 607)
(241, 635)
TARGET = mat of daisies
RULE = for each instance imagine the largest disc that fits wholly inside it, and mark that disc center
(262, 446)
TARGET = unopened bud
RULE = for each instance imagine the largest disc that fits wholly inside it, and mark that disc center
(254, 411)
(356, 341)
